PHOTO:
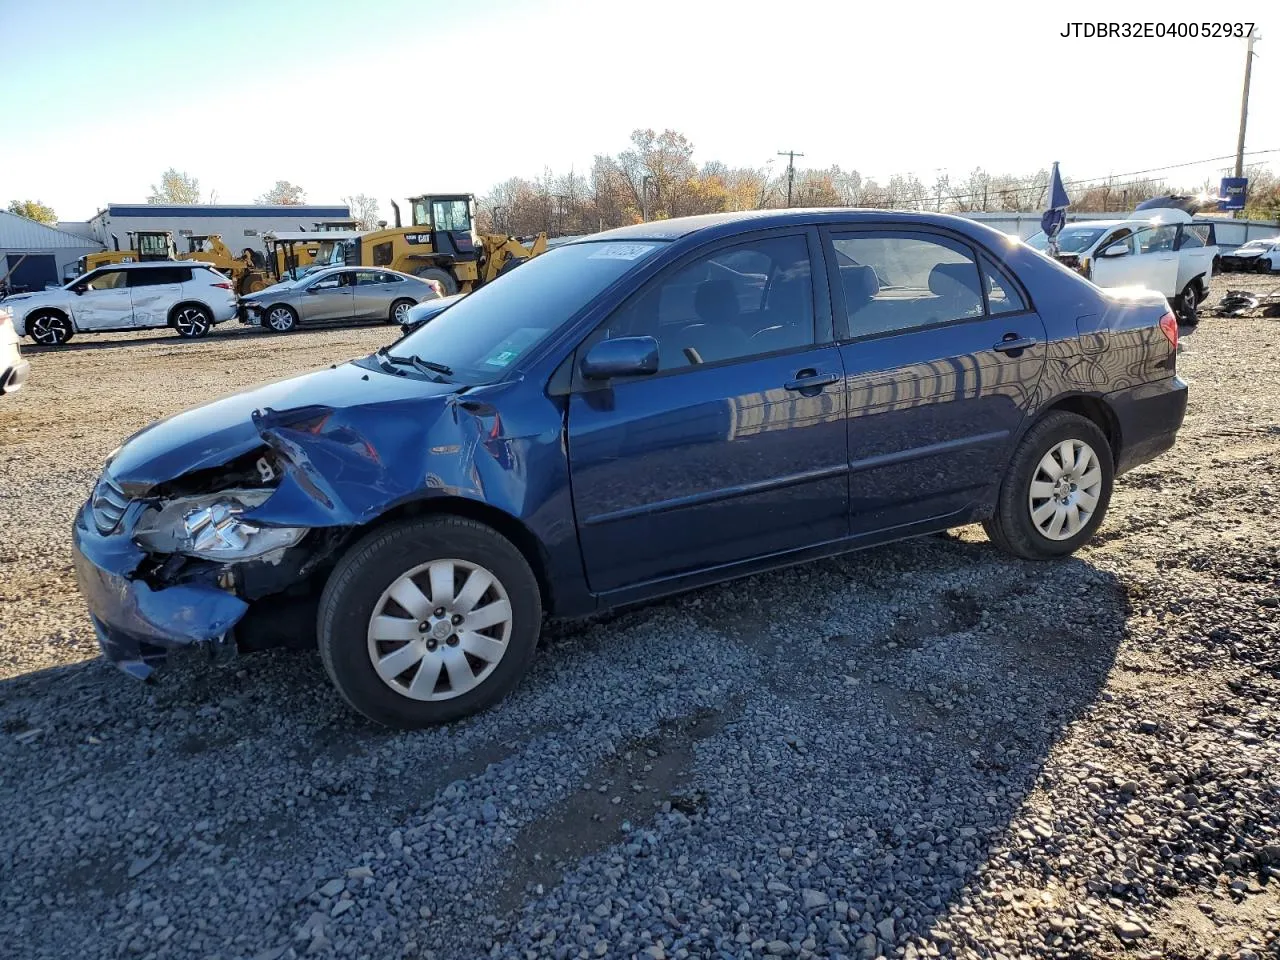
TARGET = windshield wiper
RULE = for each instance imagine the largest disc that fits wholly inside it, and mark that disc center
(422, 366)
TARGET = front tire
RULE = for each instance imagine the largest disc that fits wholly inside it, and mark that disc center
(398, 310)
(1188, 302)
(280, 318)
(191, 321)
(49, 328)
(1056, 490)
(426, 621)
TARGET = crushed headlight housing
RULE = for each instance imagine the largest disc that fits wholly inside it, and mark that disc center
(211, 527)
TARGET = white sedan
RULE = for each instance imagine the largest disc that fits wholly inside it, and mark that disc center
(191, 297)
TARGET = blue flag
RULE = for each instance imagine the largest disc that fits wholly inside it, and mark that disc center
(1056, 216)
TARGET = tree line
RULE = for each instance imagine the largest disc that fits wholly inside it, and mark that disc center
(656, 177)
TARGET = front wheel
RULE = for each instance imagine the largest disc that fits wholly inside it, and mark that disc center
(1056, 490)
(429, 620)
(192, 321)
(50, 329)
(281, 319)
(1187, 304)
(443, 277)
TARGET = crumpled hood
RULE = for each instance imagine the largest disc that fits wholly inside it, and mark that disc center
(217, 432)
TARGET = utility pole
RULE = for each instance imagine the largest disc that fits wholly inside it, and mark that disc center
(1244, 106)
(791, 169)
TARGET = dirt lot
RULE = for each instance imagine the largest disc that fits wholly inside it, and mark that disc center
(926, 749)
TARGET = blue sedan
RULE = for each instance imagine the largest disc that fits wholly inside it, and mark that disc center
(636, 413)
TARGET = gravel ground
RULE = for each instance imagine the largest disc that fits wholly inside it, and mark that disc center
(926, 749)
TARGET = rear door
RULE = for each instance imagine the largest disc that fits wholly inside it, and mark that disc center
(154, 293)
(370, 295)
(1149, 261)
(330, 297)
(942, 353)
(103, 302)
(735, 448)
(1196, 249)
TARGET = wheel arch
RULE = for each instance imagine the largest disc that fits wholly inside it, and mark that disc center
(497, 519)
(37, 311)
(1092, 408)
(173, 311)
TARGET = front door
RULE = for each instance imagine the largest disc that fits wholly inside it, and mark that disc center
(942, 354)
(735, 448)
(155, 292)
(330, 297)
(1149, 261)
(371, 294)
(104, 301)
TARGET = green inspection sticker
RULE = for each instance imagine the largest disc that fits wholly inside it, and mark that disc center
(505, 353)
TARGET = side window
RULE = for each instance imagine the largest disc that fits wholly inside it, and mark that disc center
(896, 280)
(111, 280)
(367, 278)
(382, 254)
(1155, 239)
(159, 275)
(390, 278)
(1002, 295)
(1193, 235)
(1124, 234)
(741, 301)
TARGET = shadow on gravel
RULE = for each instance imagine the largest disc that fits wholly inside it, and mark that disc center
(225, 332)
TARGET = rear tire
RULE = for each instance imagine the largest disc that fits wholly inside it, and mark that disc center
(398, 310)
(1031, 498)
(399, 592)
(191, 321)
(445, 279)
(49, 328)
(1188, 302)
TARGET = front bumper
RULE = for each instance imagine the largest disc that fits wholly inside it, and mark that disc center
(1246, 264)
(137, 625)
(12, 379)
(249, 314)
(1149, 417)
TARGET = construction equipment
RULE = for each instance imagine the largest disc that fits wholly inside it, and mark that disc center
(289, 255)
(440, 244)
(144, 245)
(246, 274)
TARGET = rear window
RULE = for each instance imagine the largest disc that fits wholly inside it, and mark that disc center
(155, 276)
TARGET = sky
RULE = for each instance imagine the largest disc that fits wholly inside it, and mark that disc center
(394, 98)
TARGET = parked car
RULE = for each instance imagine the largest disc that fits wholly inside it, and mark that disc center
(1256, 256)
(337, 293)
(1162, 250)
(190, 297)
(417, 316)
(13, 369)
(637, 413)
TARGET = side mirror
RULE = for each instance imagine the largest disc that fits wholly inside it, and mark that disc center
(1115, 250)
(621, 357)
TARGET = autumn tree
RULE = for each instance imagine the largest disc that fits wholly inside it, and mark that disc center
(176, 186)
(34, 210)
(364, 209)
(284, 192)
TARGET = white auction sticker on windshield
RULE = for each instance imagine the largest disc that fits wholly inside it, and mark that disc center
(621, 251)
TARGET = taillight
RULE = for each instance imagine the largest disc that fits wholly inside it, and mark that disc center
(1169, 327)
(223, 286)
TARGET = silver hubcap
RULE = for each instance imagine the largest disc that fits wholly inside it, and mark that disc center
(280, 319)
(1065, 489)
(440, 630)
(47, 330)
(401, 310)
(191, 321)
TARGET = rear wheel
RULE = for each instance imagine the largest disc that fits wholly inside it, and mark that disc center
(429, 620)
(1187, 304)
(445, 279)
(398, 311)
(1056, 490)
(280, 318)
(191, 321)
(50, 328)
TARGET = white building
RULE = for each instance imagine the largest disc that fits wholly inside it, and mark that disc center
(33, 255)
(239, 225)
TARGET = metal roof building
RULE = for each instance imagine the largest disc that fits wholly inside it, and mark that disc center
(33, 255)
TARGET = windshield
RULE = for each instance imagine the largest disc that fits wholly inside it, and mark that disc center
(1070, 240)
(485, 332)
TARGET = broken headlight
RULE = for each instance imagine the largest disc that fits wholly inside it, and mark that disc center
(211, 527)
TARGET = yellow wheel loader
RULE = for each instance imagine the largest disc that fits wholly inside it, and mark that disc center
(441, 244)
(144, 245)
(245, 274)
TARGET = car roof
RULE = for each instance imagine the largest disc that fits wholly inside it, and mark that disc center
(723, 224)
(154, 264)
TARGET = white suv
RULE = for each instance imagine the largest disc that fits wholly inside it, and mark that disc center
(188, 296)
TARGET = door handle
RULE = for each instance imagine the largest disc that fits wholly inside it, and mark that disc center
(1012, 343)
(811, 380)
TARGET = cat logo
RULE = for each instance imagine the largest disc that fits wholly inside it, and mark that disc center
(417, 238)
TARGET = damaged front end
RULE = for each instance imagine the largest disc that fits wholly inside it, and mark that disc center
(169, 565)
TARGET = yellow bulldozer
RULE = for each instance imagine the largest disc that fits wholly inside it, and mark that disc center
(144, 245)
(440, 244)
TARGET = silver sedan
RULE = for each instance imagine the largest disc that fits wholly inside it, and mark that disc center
(337, 293)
